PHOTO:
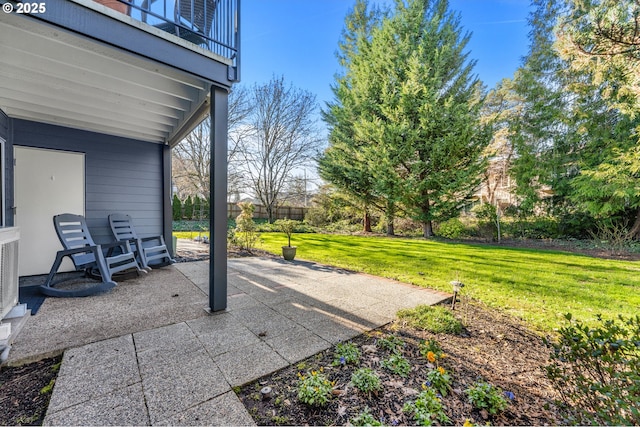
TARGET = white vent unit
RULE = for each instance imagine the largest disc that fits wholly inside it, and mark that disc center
(9, 238)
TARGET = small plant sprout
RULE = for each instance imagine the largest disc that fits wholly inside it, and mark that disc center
(366, 381)
(426, 409)
(483, 395)
(346, 354)
(440, 380)
(397, 364)
(391, 343)
(314, 389)
(431, 350)
(365, 418)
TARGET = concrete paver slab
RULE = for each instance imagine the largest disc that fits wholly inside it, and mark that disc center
(263, 320)
(95, 370)
(249, 363)
(170, 390)
(224, 410)
(222, 333)
(171, 363)
(297, 344)
(125, 406)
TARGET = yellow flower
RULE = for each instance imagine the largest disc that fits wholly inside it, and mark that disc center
(467, 423)
(313, 373)
(431, 357)
(321, 368)
(424, 386)
(441, 370)
(443, 355)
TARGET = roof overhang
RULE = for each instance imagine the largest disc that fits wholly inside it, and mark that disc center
(53, 75)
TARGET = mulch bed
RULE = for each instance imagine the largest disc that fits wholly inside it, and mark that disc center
(493, 347)
(25, 391)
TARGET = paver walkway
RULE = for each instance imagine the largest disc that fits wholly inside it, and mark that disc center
(183, 373)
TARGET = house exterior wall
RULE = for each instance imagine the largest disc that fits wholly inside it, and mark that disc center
(121, 175)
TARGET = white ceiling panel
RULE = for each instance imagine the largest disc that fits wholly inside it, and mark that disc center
(53, 76)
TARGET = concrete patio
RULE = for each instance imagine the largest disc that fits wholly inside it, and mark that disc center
(148, 353)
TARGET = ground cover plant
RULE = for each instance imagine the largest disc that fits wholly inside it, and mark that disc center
(539, 286)
(495, 359)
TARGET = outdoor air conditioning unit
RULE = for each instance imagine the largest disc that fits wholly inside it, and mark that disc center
(8, 269)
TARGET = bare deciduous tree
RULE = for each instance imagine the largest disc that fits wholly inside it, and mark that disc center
(192, 157)
(282, 137)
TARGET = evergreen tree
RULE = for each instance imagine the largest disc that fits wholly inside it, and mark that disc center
(566, 137)
(421, 106)
(176, 207)
(197, 207)
(188, 208)
(342, 163)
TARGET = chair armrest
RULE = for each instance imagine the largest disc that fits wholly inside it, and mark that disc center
(84, 249)
(159, 238)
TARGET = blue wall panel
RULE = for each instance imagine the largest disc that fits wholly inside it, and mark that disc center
(121, 175)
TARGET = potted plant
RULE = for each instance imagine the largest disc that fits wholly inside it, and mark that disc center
(287, 226)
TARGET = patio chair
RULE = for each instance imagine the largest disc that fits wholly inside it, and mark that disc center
(151, 251)
(87, 257)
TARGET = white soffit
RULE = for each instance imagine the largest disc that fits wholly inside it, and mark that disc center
(53, 76)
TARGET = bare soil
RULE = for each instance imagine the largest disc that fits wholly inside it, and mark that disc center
(25, 392)
(493, 348)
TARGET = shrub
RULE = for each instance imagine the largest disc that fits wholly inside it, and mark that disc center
(366, 380)
(597, 370)
(346, 353)
(397, 364)
(487, 220)
(245, 233)
(426, 409)
(483, 395)
(437, 319)
(287, 226)
(314, 389)
(452, 229)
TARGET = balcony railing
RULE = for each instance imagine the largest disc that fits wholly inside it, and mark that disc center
(212, 24)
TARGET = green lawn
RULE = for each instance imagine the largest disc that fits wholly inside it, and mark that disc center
(537, 286)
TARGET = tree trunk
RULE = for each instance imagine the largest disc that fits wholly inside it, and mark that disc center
(270, 214)
(367, 221)
(427, 229)
(390, 214)
(635, 230)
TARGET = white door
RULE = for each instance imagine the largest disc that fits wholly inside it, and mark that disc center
(47, 183)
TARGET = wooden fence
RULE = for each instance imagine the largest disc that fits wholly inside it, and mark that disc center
(291, 212)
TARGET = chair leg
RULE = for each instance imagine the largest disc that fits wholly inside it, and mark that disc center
(48, 287)
(141, 256)
(54, 269)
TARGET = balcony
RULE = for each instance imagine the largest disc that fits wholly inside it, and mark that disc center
(139, 69)
(210, 24)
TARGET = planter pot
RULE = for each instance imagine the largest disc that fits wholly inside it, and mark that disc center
(289, 252)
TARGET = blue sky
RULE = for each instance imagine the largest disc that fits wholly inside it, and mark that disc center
(299, 38)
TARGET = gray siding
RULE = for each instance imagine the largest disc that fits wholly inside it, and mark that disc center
(121, 175)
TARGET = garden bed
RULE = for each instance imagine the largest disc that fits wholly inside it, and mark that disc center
(492, 348)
